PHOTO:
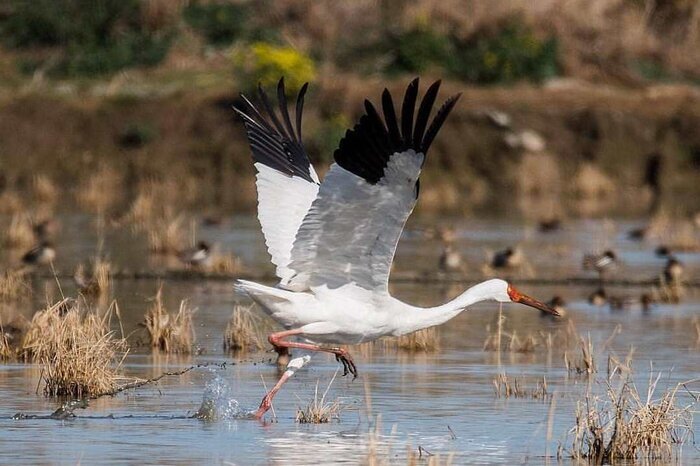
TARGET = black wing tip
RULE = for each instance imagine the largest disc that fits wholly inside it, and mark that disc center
(366, 148)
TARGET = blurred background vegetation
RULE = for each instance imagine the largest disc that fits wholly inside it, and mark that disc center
(145, 87)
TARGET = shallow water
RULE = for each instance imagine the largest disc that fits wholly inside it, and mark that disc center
(416, 395)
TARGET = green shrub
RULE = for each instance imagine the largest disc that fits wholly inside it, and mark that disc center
(97, 36)
(417, 49)
(265, 63)
(507, 53)
(219, 23)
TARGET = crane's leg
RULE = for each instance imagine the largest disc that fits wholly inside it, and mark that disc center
(293, 366)
(341, 355)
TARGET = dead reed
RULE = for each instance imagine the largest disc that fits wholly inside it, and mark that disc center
(44, 190)
(628, 426)
(79, 353)
(506, 387)
(170, 333)
(501, 339)
(318, 410)
(245, 330)
(19, 233)
(167, 236)
(225, 264)
(14, 285)
(677, 234)
(11, 202)
(100, 191)
(584, 362)
(426, 340)
(7, 352)
(98, 282)
(670, 292)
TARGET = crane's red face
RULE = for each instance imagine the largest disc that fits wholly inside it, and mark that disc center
(518, 297)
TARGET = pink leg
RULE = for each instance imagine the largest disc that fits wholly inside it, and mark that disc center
(341, 355)
(267, 399)
(277, 340)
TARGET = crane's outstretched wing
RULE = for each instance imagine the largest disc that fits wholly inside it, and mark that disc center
(286, 181)
(353, 226)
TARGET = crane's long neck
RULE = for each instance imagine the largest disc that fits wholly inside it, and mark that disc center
(418, 318)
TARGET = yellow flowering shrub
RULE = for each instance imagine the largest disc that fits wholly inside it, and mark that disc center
(266, 63)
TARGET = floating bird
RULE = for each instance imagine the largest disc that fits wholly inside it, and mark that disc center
(598, 298)
(450, 259)
(508, 258)
(334, 242)
(46, 229)
(558, 304)
(198, 256)
(673, 271)
(637, 234)
(663, 251)
(549, 225)
(647, 301)
(42, 254)
(601, 263)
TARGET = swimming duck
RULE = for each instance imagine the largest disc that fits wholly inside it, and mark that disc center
(450, 259)
(198, 256)
(42, 254)
(507, 258)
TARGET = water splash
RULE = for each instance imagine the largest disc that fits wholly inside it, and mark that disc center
(218, 403)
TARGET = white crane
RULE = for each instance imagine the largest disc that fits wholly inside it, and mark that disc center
(333, 242)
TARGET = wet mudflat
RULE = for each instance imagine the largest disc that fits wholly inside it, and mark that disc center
(443, 401)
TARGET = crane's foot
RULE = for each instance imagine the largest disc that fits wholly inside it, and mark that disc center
(342, 356)
(265, 405)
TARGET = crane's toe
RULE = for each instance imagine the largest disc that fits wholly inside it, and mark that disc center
(344, 358)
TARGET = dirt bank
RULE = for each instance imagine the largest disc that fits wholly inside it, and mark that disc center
(587, 145)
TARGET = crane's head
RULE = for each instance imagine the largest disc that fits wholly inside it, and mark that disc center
(504, 292)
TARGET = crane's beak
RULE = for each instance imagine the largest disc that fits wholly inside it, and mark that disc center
(518, 297)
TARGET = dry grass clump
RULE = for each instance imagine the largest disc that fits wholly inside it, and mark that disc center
(670, 292)
(170, 333)
(80, 354)
(627, 426)
(583, 363)
(10, 202)
(100, 191)
(19, 233)
(98, 282)
(427, 340)
(225, 264)
(14, 285)
(506, 387)
(167, 236)
(7, 352)
(677, 234)
(500, 339)
(245, 330)
(319, 411)
(44, 190)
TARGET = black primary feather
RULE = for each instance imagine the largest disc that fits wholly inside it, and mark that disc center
(366, 149)
(274, 143)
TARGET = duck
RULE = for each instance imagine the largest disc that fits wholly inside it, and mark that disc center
(601, 263)
(663, 251)
(646, 300)
(557, 303)
(507, 258)
(41, 254)
(450, 259)
(673, 271)
(198, 256)
(598, 298)
(45, 230)
(549, 225)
